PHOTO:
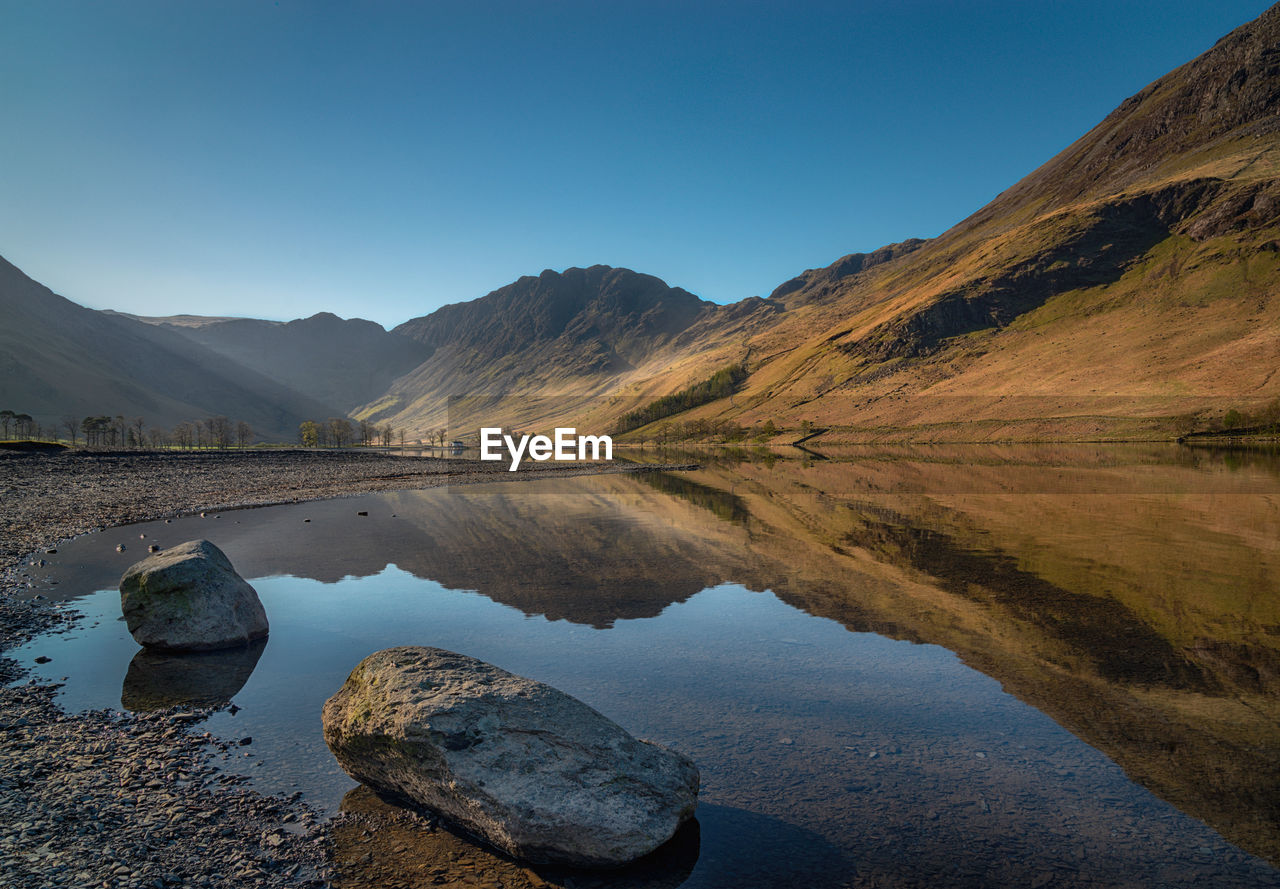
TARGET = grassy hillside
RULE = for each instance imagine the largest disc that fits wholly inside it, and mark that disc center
(1129, 282)
(551, 349)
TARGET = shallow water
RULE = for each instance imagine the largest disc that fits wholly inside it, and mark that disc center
(998, 667)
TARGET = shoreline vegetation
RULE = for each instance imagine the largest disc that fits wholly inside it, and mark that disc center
(679, 418)
(131, 800)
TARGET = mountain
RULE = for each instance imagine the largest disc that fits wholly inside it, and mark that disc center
(1127, 286)
(59, 359)
(548, 347)
(1129, 280)
(340, 362)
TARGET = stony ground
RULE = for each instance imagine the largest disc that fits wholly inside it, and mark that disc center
(109, 799)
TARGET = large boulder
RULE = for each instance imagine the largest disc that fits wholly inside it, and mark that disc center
(189, 598)
(531, 770)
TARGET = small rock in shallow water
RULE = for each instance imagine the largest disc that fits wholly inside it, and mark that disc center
(43, 660)
(362, 512)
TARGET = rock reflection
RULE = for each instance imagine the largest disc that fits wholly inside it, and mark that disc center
(381, 843)
(158, 679)
(1131, 594)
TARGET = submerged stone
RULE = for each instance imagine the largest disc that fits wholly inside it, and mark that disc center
(529, 769)
(189, 598)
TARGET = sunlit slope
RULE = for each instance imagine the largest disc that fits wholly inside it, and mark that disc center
(548, 348)
(1125, 288)
(1130, 279)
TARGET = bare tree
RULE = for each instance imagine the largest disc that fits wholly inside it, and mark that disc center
(95, 431)
(244, 432)
(220, 432)
(72, 425)
(341, 431)
(6, 418)
(158, 437)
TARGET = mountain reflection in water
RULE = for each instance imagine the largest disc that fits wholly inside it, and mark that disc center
(1129, 594)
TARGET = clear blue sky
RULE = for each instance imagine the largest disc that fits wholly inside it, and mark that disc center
(380, 159)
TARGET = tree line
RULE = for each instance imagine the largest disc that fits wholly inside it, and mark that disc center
(1262, 421)
(721, 384)
(339, 432)
(118, 432)
(19, 425)
(130, 432)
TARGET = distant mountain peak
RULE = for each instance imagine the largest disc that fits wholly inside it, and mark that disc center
(555, 304)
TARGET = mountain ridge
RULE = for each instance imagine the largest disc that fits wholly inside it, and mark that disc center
(1103, 295)
(1126, 284)
(344, 362)
(60, 359)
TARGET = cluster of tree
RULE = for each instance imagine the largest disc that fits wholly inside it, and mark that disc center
(721, 384)
(339, 432)
(1263, 421)
(118, 432)
(132, 432)
(19, 425)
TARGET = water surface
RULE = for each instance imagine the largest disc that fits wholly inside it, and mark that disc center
(999, 666)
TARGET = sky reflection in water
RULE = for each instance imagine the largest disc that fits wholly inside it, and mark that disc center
(829, 757)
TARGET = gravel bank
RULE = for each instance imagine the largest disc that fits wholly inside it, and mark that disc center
(109, 799)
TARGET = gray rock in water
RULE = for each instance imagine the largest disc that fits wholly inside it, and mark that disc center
(531, 770)
(189, 598)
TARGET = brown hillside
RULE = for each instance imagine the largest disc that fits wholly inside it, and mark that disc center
(1129, 281)
(550, 348)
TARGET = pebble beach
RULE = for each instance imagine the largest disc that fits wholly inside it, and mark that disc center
(113, 799)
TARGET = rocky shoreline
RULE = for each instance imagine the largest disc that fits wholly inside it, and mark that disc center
(107, 799)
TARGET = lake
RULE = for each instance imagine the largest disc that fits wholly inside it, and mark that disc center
(948, 666)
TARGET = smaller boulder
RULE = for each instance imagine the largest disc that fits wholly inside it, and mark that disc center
(189, 598)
